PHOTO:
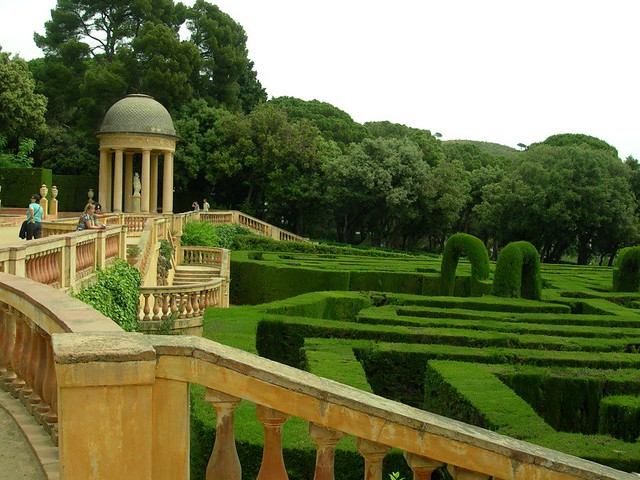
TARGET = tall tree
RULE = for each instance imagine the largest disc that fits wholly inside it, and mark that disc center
(226, 72)
(560, 198)
(102, 26)
(22, 110)
(334, 124)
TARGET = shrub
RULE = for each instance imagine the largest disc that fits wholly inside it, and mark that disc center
(518, 272)
(469, 246)
(116, 294)
(626, 275)
(199, 234)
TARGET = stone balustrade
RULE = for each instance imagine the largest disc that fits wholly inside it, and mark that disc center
(147, 378)
(85, 380)
(179, 308)
(253, 224)
(30, 312)
(65, 260)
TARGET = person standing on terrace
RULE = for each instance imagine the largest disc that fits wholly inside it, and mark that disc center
(205, 205)
(34, 218)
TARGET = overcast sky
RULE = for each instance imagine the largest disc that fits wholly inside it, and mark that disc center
(499, 71)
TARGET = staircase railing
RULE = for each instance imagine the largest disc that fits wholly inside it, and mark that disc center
(253, 224)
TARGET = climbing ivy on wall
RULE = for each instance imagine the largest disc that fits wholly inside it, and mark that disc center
(116, 294)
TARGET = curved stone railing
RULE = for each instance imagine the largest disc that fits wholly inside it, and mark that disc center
(118, 404)
(148, 377)
(30, 313)
(179, 308)
(207, 256)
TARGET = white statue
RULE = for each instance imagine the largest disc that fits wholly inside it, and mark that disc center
(137, 186)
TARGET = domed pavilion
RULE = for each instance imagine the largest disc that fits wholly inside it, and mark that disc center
(137, 131)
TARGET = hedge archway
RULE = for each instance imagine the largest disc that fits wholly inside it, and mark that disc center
(462, 244)
(518, 272)
(626, 275)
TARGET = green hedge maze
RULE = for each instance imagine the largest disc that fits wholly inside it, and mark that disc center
(559, 369)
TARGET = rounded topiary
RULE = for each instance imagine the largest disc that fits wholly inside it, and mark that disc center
(518, 272)
(626, 275)
(462, 244)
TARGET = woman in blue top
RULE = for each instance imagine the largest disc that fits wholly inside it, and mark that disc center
(34, 218)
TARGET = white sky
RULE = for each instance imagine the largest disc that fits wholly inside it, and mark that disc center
(503, 71)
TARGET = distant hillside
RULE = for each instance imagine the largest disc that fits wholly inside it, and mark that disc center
(491, 148)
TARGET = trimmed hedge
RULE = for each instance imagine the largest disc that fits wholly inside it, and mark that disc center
(518, 272)
(626, 275)
(254, 282)
(259, 278)
(474, 394)
(620, 417)
(73, 190)
(18, 184)
(462, 244)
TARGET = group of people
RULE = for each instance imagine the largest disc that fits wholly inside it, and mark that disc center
(196, 206)
(32, 227)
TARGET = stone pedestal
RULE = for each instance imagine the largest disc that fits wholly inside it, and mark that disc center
(135, 204)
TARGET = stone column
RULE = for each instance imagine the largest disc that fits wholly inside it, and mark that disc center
(103, 189)
(117, 182)
(146, 172)
(153, 201)
(167, 183)
(128, 181)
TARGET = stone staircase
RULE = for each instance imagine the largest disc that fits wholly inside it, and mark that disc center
(189, 275)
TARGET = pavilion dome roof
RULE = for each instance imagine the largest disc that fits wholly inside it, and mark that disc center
(138, 114)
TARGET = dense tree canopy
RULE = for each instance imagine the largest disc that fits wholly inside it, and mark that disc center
(21, 112)
(304, 165)
(560, 198)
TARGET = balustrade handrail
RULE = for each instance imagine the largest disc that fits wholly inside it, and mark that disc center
(190, 288)
(231, 375)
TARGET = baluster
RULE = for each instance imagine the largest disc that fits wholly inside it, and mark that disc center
(146, 308)
(43, 407)
(28, 267)
(165, 304)
(224, 463)
(272, 467)
(189, 305)
(421, 467)
(175, 298)
(49, 391)
(10, 329)
(58, 268)
(28, 363)
(40, 348)
(325, 439)
(4, 340)
(373, 454)
(206, 299)
(157, 301)
(459, 473)
(79, 259)
(17, 360)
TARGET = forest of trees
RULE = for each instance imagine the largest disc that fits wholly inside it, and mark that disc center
(304, 165)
